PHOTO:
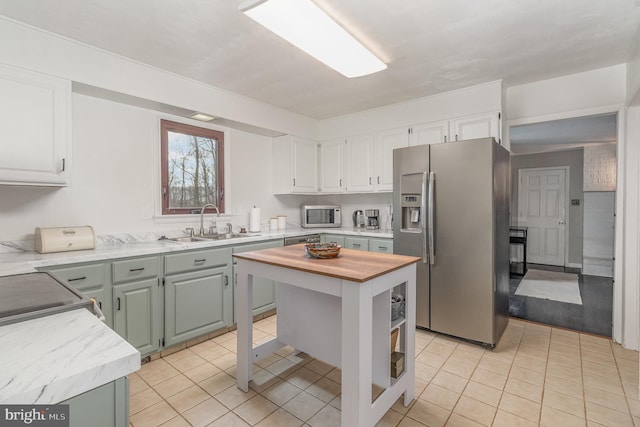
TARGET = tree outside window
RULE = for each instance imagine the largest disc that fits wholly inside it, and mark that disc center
(192, 168)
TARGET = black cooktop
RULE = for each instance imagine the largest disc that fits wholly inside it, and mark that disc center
(32, 295)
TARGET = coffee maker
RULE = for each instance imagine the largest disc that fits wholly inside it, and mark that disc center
(373, 222)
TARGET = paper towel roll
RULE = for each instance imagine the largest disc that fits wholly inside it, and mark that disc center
(254, 220)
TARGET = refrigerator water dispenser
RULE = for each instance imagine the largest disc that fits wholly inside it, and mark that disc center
(411, 212)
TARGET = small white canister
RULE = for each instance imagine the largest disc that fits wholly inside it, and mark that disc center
(282, 222)
(273, 224)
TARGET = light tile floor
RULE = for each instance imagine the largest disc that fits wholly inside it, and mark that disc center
(537, 375)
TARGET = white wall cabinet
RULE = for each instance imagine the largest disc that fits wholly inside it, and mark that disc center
(358, 167)
(295, 165)
(385, 143)
(364, 163)
(429, 133)
(331, 166)
(35, 118)
(468, 127)
(476, 126)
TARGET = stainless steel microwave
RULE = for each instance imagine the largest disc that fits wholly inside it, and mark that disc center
(320, 216)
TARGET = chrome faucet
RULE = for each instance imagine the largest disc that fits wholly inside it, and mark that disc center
(208, 205)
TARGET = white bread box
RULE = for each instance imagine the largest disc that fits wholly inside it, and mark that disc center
(62, 239)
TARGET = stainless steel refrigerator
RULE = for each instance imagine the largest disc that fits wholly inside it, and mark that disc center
(451, 208)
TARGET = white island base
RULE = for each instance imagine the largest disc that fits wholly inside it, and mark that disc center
(338, 311)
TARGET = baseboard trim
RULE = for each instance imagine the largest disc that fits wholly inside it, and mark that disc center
(574, 265)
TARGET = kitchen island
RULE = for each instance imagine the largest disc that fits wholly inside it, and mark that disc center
(338, 310)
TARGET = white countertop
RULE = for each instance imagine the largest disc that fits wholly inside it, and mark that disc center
(16, 260)
(54, 358)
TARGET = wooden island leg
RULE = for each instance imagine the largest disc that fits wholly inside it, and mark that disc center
(244, 318)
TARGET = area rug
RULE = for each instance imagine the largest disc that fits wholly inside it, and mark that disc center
(552, 285)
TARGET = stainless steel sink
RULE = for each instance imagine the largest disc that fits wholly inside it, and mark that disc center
(188, 239)
(208, 237)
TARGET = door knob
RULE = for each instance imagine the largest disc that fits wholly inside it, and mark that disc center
(561, 222)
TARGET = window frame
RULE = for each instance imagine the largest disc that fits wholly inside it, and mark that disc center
(167, 126)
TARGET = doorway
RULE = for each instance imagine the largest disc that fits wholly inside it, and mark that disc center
(578, 241)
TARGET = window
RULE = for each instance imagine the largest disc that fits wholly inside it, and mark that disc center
(192, 168)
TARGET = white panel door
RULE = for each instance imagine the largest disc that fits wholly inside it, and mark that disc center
(542, 208)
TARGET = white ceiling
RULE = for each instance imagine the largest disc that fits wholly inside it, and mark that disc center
(431, 46)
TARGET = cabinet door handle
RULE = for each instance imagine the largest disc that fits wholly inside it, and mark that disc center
(75, 279)
(340, 183)
(118, 304)
(226, 280)
(294, 182)
(100, 304)
(378, 180)
(133, 270)
(199, 261)
(63, 164)
(369, 180)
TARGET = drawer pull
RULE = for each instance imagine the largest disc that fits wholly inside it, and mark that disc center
(382, 248)
(133, 270)
(356, 245)
(75, 279)
(199, 261)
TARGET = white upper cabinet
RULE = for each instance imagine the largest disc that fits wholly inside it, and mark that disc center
(476, 126)
(295, 165)
(385, 143)
(331, 164)
(364, 163)
(429, 133)
(358, 169)
(35, 118)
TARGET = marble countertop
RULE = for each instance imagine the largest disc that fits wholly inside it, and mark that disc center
(17, 259)
(65, 354)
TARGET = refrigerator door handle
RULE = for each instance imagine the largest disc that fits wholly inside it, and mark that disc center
(423, 225)
(432, 250)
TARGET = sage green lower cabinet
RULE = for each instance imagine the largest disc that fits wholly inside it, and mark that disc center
(361, 243)
(137, 314)
(264, 290)
(137, 302)
(381, 245)
(199, 299)
(104, 406)
(89, 279)
(333, 238)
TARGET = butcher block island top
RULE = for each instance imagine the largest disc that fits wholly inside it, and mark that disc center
(352, 264)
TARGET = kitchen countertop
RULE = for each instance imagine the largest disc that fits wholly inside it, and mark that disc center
(15, 259)
(65, 354)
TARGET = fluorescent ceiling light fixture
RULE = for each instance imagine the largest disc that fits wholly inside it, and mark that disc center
(306, 26)
(202, 117)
